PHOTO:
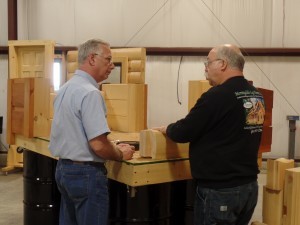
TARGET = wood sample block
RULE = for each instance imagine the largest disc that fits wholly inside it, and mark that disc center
(292, 196)
(126, 106)
(156, 145)
(196, 89)
(272, 206)
(276, 170)
(27, 113)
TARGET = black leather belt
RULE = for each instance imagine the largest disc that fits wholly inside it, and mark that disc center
(91, 163)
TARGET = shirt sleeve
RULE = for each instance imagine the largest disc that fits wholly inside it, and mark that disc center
(93, 112)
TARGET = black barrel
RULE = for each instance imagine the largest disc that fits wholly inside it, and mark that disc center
(182, 202)
(144, 205)
(41, 196)
(189, 203)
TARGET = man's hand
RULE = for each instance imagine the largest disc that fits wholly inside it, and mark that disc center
(162, 129)
(127, 150)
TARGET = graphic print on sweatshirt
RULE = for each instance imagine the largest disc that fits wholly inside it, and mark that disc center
(254, 108)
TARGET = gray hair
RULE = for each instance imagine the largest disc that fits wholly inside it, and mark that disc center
(88, 47)
(232, 55)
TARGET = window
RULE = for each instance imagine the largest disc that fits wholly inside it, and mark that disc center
(58, 75)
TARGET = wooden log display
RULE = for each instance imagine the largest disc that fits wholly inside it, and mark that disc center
(132, 62)
(156, 145)
(292, 196)
(276, 172)
(135, 63)
(272, 209)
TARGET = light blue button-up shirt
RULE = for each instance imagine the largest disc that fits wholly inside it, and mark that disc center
(79, 116)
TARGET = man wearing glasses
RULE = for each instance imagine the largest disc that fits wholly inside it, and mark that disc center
(79, 139)
(224, 130)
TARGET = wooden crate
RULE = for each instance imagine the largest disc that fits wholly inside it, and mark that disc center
(126, 106)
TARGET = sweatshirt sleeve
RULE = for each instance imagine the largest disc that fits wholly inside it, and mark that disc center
(207, 111)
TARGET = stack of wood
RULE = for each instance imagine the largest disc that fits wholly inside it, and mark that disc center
(276, 195)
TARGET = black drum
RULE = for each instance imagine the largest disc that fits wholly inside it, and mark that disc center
(144, 205)
(41, 196)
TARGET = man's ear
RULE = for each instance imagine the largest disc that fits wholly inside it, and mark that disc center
(224, 65)
(91, 59)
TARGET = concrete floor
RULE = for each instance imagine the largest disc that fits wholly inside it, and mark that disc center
(11, 198)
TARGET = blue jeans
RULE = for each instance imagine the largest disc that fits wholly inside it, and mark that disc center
(84, 194)
(229, 206)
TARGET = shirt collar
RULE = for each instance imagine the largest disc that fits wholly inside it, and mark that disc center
(87, 76)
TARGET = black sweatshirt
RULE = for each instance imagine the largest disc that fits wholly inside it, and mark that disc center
(224, 130)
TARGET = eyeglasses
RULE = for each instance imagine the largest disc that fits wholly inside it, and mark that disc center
(108, 59)
(206, 63)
